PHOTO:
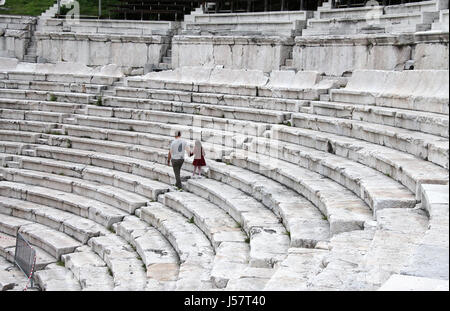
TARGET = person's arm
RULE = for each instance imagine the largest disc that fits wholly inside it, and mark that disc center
(188, 150)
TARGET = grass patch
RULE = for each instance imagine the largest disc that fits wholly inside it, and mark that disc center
(53, 98)
(191, 220)
(324, 217)
(26, 7)
(111, 229)
(99, 101)
(247, 240)
(60, 263)
(69, 143)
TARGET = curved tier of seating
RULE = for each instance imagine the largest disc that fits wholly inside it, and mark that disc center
(285, 195)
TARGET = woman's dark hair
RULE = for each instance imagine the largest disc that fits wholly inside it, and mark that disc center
(177, 133)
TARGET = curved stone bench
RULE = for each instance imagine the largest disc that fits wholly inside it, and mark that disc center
(99, 212)
(306, 85)
(207, 80)
(430, 259)
(134, 166)
(54, 242)
(126, 181)
(322, 141)
(49, 75)
(342, 208)
(67, 97)
(405, 168)
(53, 86)
(56, 278)
(160, 259)
(268, 238)
(227, 238)
(420, 90)
(249, 114)
(193, 247)
(79, 228)
(258, 102)
(343, 265)
(299, 266)
(128, 271)
(36, 105)
(425, 122)
(68, 152)
(304, 222)
(11, 124)
(172, 118)
(43, 116)
(109, 195)
(425, 146)
(394, 195)
(376, 189)
(89, 270)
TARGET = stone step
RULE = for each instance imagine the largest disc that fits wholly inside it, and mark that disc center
(109, 195)
(54, 86)
(135, 166)
(268, 238)
(46, 96)
(79, 228)
(194, 249)
(304, 222)
(376, 189)
(75, 204)
(36, 105)
(424, 146)
(342, 209)
(430, 123)
(8, 247)
(133, 116)
(160, 259)
(128, 271)
(54, 242)
(294, 272)
(399, 231)
(227, 239)
(219, 111)
(402, 167)
(89, 270)
(344, 265)
(57, 278)
(42, 116)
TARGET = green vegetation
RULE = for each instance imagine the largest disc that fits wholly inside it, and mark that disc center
(37, 7)
(53, 98)
(99, 101)
(60, 263)
(191, 220)
(26, 7)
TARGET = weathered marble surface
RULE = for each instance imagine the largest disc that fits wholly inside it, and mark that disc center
(101, 49)
(344, 54)
(243, 52)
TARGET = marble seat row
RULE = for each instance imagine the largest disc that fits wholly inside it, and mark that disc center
(124, 27)
(280, 84)
(337, 222)
(418, 90)
(221, 270)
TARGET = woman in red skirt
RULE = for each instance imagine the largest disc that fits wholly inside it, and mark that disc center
(199, 158)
